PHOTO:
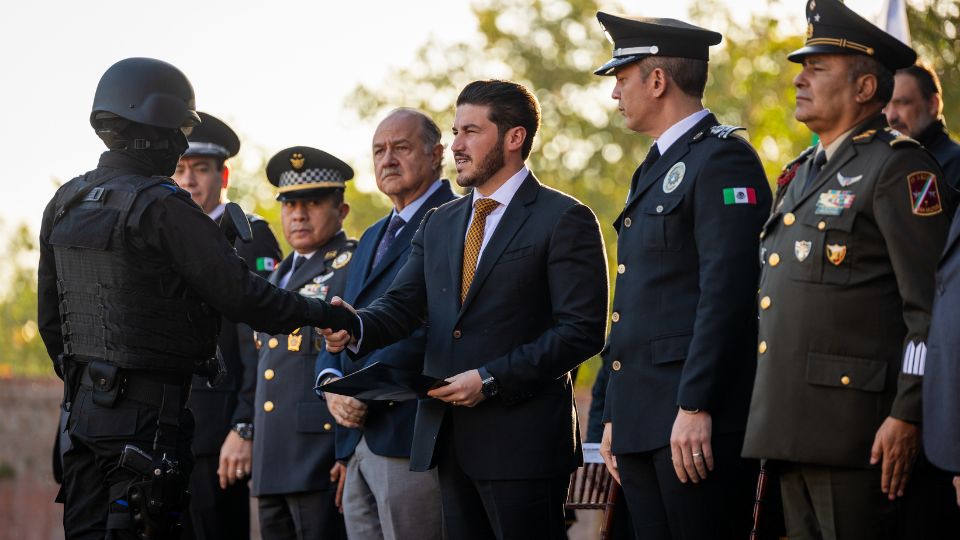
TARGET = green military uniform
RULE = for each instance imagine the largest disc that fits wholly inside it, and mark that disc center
(845, 297)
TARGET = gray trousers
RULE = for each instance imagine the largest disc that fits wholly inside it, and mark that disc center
(383, 498)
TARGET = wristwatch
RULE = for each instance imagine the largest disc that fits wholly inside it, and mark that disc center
(490, 385)
(244, 430)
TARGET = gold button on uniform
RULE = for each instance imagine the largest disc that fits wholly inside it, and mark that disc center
(789, 219)
(762, 234)
(765, 302)
(615, 317)
(327, 426)
(268, 406)
(845, 380)
(762, 347)
(268, 374)
(273, 343)
(627, 222)
(774, 259)
(822, 225)
(621, 269)
(616, 365)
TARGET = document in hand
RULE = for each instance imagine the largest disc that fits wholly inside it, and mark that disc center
(382, 382)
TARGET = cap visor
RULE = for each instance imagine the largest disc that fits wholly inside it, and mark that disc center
(801, 53)
(607, 69)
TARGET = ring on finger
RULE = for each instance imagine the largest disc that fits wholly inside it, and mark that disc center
(697, 454)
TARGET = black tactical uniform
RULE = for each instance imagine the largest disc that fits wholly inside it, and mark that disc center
(215, 512)
(132, 278)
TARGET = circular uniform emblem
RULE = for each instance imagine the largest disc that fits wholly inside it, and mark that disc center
(674, 177)
(342, 260)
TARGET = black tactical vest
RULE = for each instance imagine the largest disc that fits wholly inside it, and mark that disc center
(116, 305)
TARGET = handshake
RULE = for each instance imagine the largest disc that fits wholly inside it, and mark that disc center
(339, 324)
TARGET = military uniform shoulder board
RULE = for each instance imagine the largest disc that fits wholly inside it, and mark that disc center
(896, 139)
(253, 218)
(722, 131)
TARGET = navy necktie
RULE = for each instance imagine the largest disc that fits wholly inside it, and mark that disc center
(388, 237)
(818, 163)
(298, 261)
(652, 156)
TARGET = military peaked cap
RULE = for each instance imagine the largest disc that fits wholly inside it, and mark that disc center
(302, 172)
(212, 138)
(833, 28)
(637, 38)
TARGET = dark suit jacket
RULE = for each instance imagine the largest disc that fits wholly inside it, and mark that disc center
(293, 441)
(684, 316)
(388, 427)
(535, 310)
(849, 299)
(216, 410)
(941, 382)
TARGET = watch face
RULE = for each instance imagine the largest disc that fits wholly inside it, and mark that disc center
(245, 431)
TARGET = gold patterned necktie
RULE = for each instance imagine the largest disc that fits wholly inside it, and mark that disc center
(471, 246)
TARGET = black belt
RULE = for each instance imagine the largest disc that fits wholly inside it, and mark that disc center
(144, 387)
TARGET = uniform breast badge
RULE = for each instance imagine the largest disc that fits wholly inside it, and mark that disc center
(342, 260)
(294, 340)
(674, 177)
(801, 248)
(836, 253)
(845, 181)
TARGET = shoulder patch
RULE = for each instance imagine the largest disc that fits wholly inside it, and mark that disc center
(924, 193)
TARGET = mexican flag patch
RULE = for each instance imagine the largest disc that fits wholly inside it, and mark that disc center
(266, 264)
(739, 195)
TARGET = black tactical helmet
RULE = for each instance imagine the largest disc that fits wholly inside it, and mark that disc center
(146, 91)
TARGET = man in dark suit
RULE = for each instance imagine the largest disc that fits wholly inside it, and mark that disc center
(846, 291)
(684, 322)
(382, 497)
(223, 439)
(916, 109)
(511, 282)
(295, 475)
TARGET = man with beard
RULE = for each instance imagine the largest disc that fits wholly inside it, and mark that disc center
(296, 479)
(512, 283)
(223, 443)
(916, 109)
(382, 497)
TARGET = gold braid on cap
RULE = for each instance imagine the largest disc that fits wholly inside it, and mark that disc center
(842, 43)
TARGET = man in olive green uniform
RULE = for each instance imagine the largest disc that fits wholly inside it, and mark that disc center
(846, 289)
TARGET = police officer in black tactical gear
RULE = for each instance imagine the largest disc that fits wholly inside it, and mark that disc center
(223, 442)
(133, 279)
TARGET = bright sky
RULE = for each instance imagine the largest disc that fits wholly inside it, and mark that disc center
(278, 72)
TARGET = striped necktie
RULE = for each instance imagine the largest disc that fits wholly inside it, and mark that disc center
(471, 246)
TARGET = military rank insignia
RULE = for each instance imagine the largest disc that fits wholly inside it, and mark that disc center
(924, 193)
(836, 253)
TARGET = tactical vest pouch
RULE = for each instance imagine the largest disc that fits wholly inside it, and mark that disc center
(106, 383)
(84, 227)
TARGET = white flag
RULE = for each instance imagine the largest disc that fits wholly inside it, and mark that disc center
(893, 19)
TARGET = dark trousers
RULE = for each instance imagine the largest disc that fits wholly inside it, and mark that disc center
(662, 507)
(216, 513)
(930, 504)
(501, 509)
(310, 515)
(92, 477)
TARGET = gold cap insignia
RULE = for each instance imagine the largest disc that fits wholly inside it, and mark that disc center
(297, 160)
(836, 253)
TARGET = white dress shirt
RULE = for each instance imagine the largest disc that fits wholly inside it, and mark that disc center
(670, 136)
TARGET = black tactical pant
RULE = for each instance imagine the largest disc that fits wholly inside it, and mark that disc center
(91, 470)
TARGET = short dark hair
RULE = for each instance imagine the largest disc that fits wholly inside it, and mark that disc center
(510, 105)
(926, 78)
(429, 130)
(861, 64)
(689, 74)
